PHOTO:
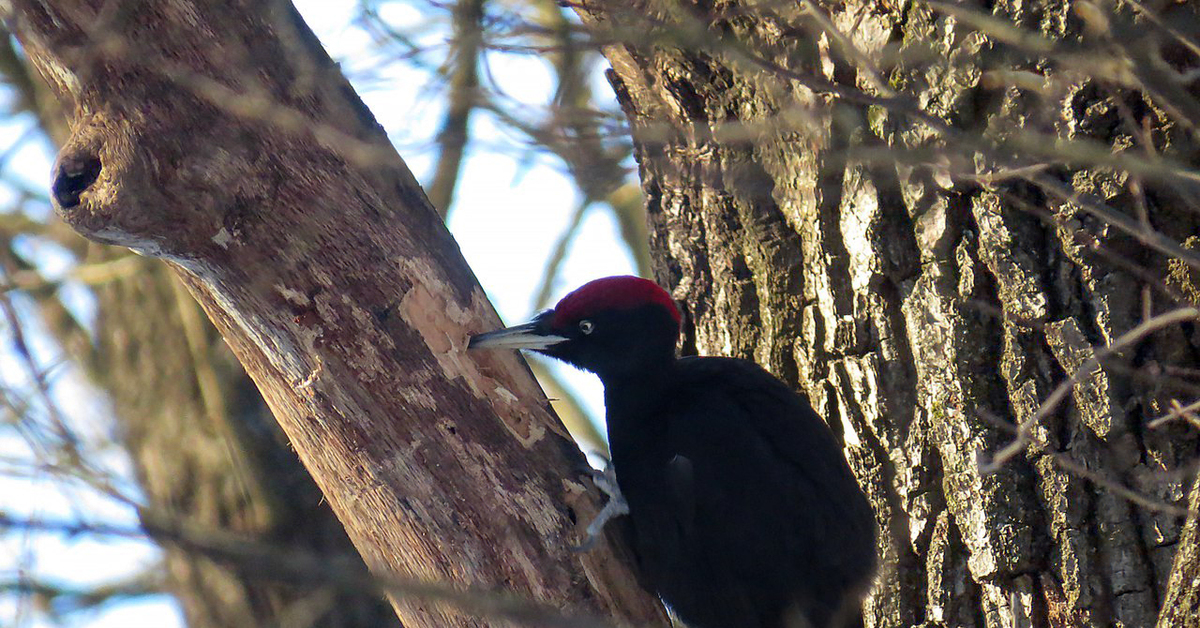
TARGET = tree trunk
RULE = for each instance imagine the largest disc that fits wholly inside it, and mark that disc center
(204, 446)
(207, 449)
(926, 216)
(1181, 608)
(219, 137)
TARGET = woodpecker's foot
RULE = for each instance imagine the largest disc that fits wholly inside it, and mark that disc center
(606, 481)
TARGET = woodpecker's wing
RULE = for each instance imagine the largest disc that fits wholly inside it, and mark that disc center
(681, 478)
(768, 497)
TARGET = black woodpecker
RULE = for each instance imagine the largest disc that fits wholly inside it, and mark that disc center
(744, 511)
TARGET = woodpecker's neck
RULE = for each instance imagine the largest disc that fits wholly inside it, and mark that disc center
(652, 368)
(636, 396)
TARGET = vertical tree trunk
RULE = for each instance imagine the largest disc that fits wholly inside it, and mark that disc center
(893, 206)
(220, 137)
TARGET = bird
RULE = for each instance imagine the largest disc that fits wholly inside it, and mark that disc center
(743, 509)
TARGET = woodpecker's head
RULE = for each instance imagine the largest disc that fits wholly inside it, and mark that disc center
(615, 327)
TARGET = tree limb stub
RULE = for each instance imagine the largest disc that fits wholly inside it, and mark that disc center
(221, 138)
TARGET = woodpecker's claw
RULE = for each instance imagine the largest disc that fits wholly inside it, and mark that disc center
(606, 481)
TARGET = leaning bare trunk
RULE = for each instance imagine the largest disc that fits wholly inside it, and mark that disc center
(870, 230)
(203, 444)
(207, 449)
(226, 142)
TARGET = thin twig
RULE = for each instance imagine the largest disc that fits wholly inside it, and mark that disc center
(341, 572)
(1064, 461)
(1177, 410)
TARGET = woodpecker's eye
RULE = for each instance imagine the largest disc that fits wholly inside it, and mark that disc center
(586, 326)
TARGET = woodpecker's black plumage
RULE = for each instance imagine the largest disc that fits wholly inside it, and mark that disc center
(744, 511)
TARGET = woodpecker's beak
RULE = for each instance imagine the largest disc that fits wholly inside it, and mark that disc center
(534, 335)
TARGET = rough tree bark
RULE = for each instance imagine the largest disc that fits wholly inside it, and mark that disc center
(204, 446)
(219, 137)
(883, 260)
(206, 450)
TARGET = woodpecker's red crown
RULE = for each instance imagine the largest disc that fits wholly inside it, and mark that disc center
(612, 293)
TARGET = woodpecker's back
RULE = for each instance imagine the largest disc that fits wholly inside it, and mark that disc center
(745, 512)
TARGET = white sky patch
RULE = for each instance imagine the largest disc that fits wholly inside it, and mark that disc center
(401, 15)
(29, 163)
(526, 79)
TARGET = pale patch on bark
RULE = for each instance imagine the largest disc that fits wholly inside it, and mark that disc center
(308, 382)
(1092, 394)
(534, 504)
(427, 312)
(505, 394)
(428, 309)
(222, 238)
(862, 211)
(294, 297)
(417, 396)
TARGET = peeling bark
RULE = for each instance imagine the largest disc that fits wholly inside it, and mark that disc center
(227, 143)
